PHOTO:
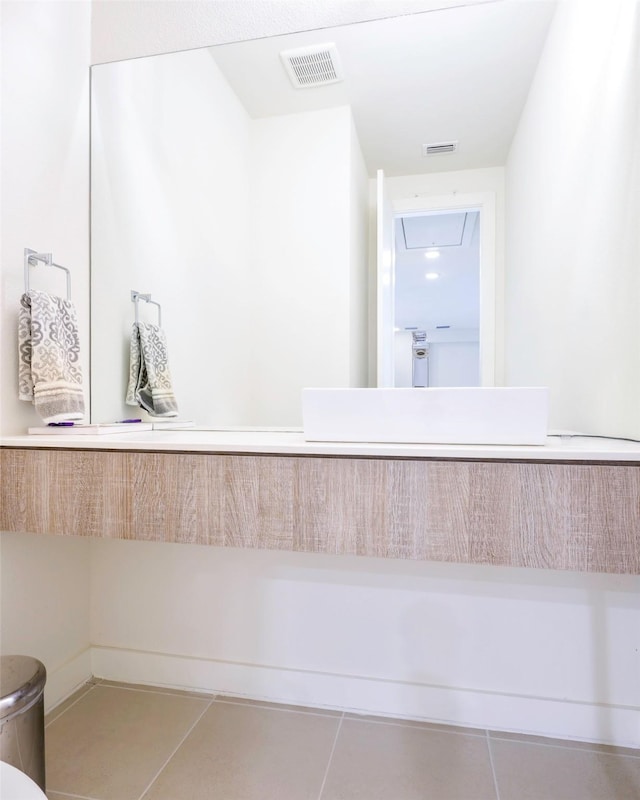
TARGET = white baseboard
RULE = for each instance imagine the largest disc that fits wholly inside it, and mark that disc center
(66, 679)
(591, 722)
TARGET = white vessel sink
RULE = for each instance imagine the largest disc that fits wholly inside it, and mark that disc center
(486, 415)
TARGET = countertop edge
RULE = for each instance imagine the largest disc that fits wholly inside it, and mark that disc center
(565, 449)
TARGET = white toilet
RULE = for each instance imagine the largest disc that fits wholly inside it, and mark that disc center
(15, 785)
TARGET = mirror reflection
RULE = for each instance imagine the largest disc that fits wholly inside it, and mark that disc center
(250, 208)
(437, 299)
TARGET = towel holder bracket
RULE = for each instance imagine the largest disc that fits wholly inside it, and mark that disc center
(137, 296)
(31, 259)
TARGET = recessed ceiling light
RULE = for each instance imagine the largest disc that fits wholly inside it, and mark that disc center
(432, 254)
(432, 276)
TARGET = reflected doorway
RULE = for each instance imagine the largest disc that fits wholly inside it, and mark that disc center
(436, 338)
(388, 211)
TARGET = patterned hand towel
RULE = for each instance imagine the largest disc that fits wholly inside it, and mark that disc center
(149, 376)
(49, 373)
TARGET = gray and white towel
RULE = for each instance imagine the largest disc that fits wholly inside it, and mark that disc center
(49, 372)
(149, 377)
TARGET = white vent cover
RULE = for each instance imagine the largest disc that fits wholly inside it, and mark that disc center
(439, 148)
(312, 66)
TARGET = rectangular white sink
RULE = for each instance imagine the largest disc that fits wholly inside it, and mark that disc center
(483, 415)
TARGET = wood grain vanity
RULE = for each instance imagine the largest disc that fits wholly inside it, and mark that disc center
(573, 513)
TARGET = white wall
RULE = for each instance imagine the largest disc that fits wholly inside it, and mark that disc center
(539, 651)
(573, 248)
(245, 240)
(304, 252)
(170, 212)
(44, 590)
(44, 154)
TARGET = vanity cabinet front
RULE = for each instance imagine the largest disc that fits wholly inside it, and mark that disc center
(572, 516)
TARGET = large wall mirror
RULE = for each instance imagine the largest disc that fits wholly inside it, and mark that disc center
(308, 208)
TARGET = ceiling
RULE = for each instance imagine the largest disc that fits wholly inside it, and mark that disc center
(459, 74)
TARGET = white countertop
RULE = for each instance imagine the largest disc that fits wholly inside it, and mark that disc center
(565, 448)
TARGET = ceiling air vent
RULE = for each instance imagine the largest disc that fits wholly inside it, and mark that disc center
(312, 66)
(439, 148)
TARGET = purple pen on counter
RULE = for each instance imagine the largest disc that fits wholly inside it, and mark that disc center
(60, 424)
(128, 420)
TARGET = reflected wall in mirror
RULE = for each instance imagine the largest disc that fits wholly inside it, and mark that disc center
(244, 206)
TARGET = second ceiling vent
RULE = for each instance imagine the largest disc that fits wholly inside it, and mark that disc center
(439, 148)
(316, 65)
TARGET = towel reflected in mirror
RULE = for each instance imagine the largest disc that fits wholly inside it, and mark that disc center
(150, 384)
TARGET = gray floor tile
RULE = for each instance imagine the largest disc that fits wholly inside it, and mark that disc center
(245, 752)
(71, 700)
(545, 740)
(373, 761)
(111, 743)
(526, 771)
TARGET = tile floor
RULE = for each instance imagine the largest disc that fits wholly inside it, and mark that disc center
(117, 742)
